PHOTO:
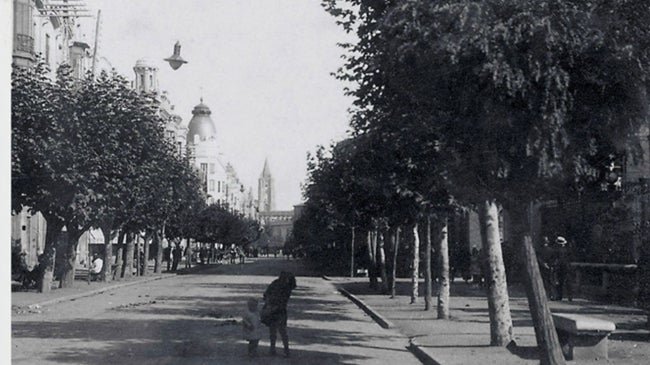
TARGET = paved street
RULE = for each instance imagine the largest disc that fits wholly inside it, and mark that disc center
(194, 319)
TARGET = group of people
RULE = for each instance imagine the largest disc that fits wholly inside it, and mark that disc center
(273, 314)
(555, 267)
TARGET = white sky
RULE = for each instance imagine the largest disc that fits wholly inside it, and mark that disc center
(264, 67)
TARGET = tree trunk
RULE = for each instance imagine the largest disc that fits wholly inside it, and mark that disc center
(352, 254)
(107, 226)
(70, 256)
(548, 344)
(188, 258)
(427, 265)
(157, 242)
(162, 244)
(415, 263)
(119, 258)
(372, 274)
(46, 260)
(393, 282)
(443, 259)
(497, 287)
(381, 260)
(127, 270)
(145, 260)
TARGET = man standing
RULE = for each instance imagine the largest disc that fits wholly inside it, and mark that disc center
(546, 267)
(96, 267)
(561, 268)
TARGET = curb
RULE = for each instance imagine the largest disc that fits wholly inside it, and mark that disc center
(414, 347)
(420, 353)
(97, 291)
(383, 322)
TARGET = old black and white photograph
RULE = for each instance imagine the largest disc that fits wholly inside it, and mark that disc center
(448, 182)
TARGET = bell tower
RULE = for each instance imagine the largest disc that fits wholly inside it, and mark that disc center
(265, 189)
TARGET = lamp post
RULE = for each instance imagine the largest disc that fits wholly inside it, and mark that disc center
(175, 60)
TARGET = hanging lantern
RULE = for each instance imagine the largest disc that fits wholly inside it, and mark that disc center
(176, 61)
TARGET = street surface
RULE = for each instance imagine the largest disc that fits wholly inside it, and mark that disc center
(195, 319)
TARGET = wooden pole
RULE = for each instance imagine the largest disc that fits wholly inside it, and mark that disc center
(548, 344)
(99, 14)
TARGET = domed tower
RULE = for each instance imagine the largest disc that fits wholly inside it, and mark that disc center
(146, 76)
(201, 126)
(203, 150)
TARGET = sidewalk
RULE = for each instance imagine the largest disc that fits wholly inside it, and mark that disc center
(32, 301)
(465, 338)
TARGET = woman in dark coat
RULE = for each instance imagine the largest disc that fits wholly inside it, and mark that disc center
(274, 313)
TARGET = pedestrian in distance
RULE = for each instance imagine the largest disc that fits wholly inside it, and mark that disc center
(274, 311)
(167, 257)
(96, 267)
(562, 269)
(475, 269)
(546, 267)
(252, 326)
(233, 255)
(177, 254)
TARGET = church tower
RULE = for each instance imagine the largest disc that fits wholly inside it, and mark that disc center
(265, 189)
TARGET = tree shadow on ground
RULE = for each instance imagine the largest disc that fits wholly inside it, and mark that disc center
(173, 341)
(199, 329)
(523, 352)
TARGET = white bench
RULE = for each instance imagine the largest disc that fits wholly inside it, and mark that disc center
(582, 337)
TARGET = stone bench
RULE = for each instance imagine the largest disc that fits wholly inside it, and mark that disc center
(582, 337)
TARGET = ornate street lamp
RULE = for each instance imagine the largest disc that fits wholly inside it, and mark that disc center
(175, 60)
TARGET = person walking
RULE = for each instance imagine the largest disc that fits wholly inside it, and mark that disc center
(274, 312)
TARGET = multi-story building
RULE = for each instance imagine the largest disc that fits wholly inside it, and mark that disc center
(43, 30)
(203, 150)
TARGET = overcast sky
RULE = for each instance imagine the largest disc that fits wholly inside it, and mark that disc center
(263, 67)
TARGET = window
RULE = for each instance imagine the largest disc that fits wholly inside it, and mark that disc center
(212, 168)
(23, 27)
(218, 186)
(47, 48)
(204, 174)
(211, 187)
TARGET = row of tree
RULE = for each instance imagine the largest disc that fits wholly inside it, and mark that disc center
(475, 105)
(91, 153)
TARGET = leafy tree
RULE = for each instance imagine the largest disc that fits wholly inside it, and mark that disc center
(46, 150)
(521, 95)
